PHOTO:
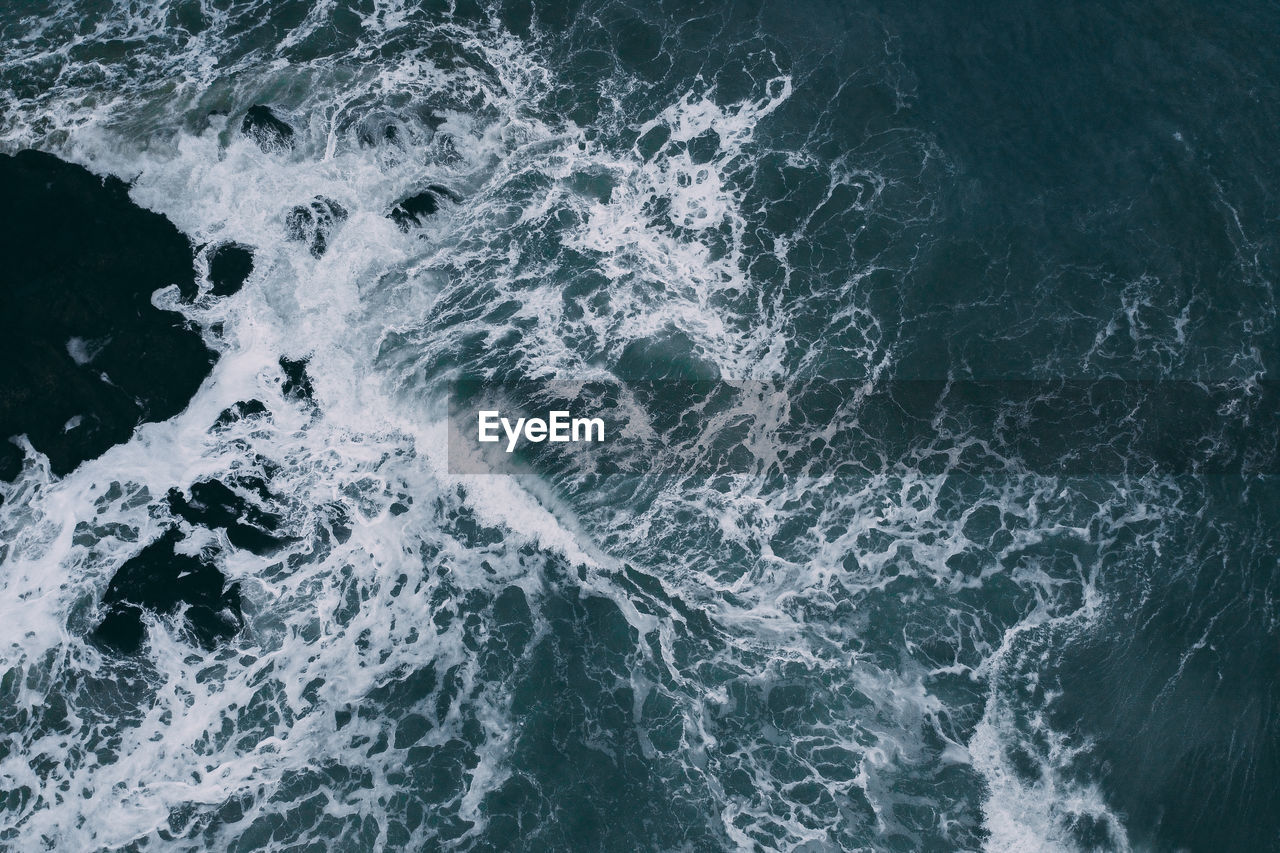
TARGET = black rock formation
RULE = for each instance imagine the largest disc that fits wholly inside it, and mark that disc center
(214, 504)
(265, 128)
(229, 265)
(161, 581)
(86, 355)
(312, 223)
(412, 210)
(239, 411)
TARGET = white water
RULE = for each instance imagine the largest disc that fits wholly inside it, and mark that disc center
(376, 316)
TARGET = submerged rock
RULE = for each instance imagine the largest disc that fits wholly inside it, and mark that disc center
(86, 355)
(312, 223)
(214, 504)
(161, 581)
(229, 266)
(265, 128)
(412, 210)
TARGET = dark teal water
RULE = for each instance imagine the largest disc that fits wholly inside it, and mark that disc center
(779, 619)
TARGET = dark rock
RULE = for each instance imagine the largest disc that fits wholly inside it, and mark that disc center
(265, 128)
(412, 210)
(297, 383)
(239, 411)
(256, 485)
(229, 266)
(211, 504)
(86, 355)
(214, 504)
(159, 580)
(312, 223)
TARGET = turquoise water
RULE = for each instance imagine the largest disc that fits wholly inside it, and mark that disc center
(804, 607)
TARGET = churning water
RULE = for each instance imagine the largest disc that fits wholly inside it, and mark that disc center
(759, 641)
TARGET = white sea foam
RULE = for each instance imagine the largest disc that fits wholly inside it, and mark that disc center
(658, 247)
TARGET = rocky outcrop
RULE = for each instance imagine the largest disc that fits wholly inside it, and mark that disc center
(213, 504)
(161, 581)
(312, 223)
(239, 411)
(86, 355)
(230, 264)
(414, 209)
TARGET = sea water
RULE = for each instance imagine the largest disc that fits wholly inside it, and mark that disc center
(773, 635)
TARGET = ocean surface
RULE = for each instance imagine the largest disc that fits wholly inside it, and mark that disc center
(796, 625)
